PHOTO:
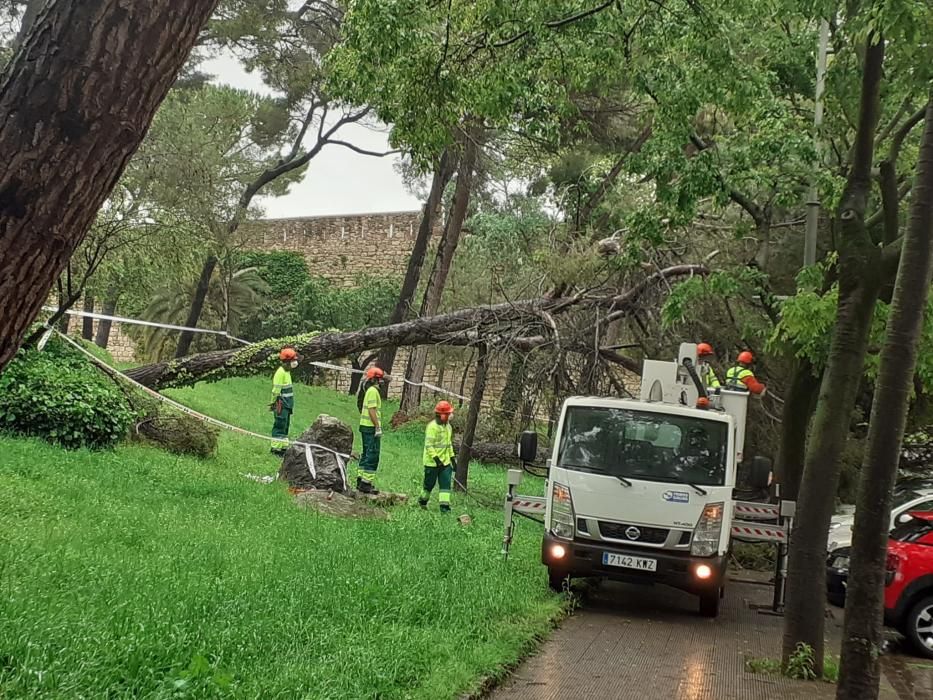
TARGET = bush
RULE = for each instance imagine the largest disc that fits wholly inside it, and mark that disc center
(180, 434)
(58, 395)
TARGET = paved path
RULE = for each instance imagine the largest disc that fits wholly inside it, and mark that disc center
(634, 642)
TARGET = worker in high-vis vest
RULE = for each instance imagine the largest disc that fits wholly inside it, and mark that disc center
(283, 400)
(742, 378)
(370, 431)
(705, 356)
(438, 459)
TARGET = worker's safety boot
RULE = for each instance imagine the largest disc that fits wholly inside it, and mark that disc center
(364, 486)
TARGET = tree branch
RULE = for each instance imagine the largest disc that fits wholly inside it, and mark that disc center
(753, 209)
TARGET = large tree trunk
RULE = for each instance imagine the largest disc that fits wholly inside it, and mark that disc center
(442, 174)
(87, 323)
(860, 280)
(465, 453)
(434, 292)
(197, 306)
(492, 323)
(859, 671)
(102, 339)
(75, 101)
(799, 404)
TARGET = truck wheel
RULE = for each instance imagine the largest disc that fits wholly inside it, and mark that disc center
(918, 627)
(709, 603)
(557, 580)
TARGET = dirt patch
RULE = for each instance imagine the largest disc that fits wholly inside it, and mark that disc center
(356, 505)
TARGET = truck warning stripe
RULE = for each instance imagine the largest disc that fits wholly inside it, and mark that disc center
(765, 533)
(759, 510)
(518, 503)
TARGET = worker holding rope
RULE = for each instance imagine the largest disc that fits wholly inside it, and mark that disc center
(283, 400)
(439, 462)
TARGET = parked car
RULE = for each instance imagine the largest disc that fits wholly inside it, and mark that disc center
(905, 500)
(908, 591)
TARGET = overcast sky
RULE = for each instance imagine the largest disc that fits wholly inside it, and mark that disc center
(337, 181)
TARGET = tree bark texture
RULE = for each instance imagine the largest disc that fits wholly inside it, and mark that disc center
(87, 323)
(102, 339)
(76, 100)
(799, 404)
(465, 452)
(442, 174)
(197, 306)
(434, 292)
(489, 324)
(860, 279)
(862, 637)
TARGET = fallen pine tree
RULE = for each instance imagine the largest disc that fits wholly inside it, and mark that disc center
(519, 325)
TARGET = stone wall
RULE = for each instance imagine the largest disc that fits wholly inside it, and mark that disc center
(342, 248)
(120, 346)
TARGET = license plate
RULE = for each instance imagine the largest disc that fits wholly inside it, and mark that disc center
(627, 562)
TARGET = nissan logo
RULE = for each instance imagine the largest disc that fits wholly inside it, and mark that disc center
(633, 533)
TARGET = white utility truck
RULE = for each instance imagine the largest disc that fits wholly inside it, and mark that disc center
(643, 490)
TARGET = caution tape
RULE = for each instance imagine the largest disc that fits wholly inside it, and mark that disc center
(194, 414)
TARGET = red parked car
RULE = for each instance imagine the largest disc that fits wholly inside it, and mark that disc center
(908, 590)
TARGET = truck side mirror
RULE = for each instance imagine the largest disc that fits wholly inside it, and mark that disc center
(759, 475)
(528, 446)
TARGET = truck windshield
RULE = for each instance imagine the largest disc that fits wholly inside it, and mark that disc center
(644, 445)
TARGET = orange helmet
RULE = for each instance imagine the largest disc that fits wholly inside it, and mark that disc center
(746, 358)
(444, 408)
(704, 350)
(288, 354)
(375, 373)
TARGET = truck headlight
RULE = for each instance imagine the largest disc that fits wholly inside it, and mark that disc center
(562, 517)
(706, 534)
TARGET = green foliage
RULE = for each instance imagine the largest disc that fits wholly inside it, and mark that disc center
(800, 664)
(285, 272)
(137, 573)
(723, 284)
(319, 305)
(59, 396)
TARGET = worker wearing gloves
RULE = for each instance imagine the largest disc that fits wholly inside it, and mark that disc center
(370, 431)
(742, 378)
(439, 462)
(705, 355)
(283, 400)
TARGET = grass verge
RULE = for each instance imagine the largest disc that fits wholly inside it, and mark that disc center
(135, 573)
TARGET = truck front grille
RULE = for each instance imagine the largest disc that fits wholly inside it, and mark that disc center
(625, 532)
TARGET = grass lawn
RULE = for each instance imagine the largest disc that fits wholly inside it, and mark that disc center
(139, 574)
